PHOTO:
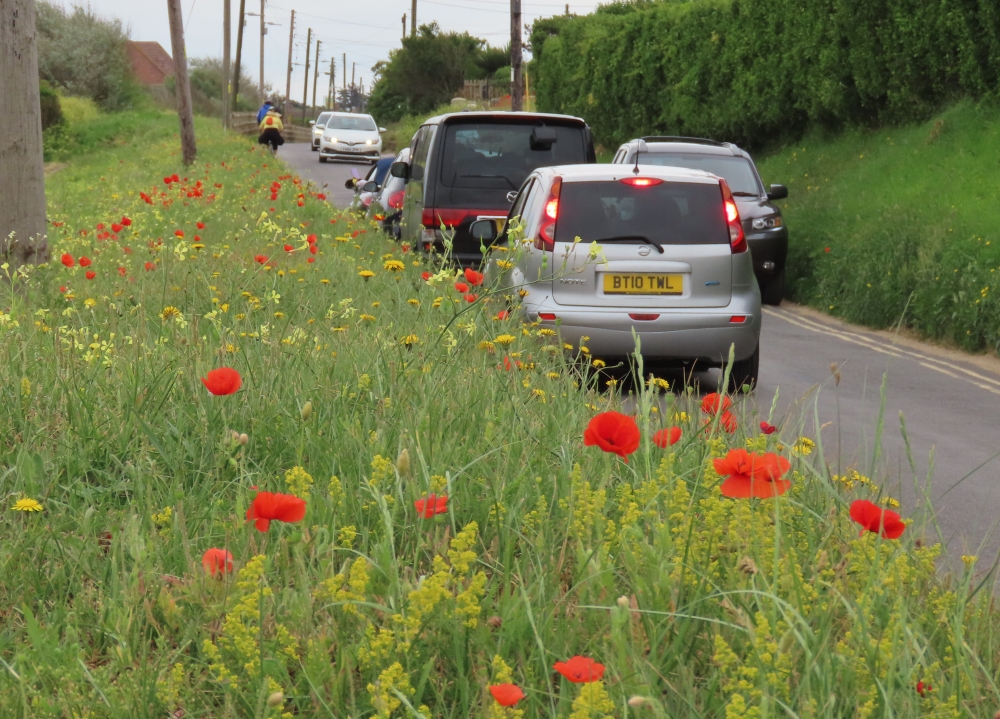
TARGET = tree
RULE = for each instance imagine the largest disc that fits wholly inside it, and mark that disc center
(22, 179)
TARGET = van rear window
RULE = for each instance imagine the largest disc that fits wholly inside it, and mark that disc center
(670, 213)
(482, 162)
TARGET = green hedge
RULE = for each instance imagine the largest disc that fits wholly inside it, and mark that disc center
(751, 71)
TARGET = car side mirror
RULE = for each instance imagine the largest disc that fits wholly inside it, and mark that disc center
(400, 169)
(381, 129)
(350, 184)
(777, 192)
(370, 186)
(312, 122)
(321, 127)
(484, 230)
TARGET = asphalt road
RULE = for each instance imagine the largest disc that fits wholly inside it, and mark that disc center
(950, 403)
(331, 175)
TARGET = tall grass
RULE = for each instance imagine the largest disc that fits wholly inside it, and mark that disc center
(363, 396)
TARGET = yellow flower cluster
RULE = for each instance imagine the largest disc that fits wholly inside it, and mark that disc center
(299, 482)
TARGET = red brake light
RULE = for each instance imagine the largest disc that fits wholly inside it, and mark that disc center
(546, 315)
(737, 319)
(641, 181)
(737, 239)
(547, 232)
(395, 200)
(642, 317)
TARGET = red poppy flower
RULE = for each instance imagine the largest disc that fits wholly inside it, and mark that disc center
(175, 178)
(217, 561)
(222, 381)
(167, 180)
(115, 227)
(310, 260)
(613, 432)
(122, 271)
(288, 248)
(728, 422)
(425, 276)
(461, 287)
(924, 689)
(197, 238)
(90, 274)
(664, 438)
(767, 428)
(100, 225)
(875, 519)
(62, 288)
(85, 262)
(150, 266)
(475, 278)
(506, 695)
(126, 222)
(580, 670)
(751, 475)
(300, 203)
(312, 249)
(179, 233)
(320, 196)
(470, 298)
(67, 259)
(502, 315)
(261, 259)
(431, 504)
(200, 225)
(713, 403)
(311, 239)
(268, 507)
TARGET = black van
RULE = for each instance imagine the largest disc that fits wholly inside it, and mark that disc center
(468, 166)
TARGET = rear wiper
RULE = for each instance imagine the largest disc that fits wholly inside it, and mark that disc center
(632, 238)
(745, 194)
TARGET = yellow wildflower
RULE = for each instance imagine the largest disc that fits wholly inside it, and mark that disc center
(26, 504)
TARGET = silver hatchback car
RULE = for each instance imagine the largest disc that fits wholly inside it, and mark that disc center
(608, 249)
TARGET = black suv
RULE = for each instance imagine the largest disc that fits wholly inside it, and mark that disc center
(762, 223)
(468, 166)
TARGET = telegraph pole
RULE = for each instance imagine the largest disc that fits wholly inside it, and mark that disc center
(183, 89)
(22, 182)
(330, 100)
(305, 85)
(239, 52)
(413, 17)
(404, 25)
(288, 74)
(226, 32)
(316, 72)
(516, 81)
(354, 66)
(262, 31)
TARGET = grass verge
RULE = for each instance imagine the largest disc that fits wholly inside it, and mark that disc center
(365, 389)
(900, 223)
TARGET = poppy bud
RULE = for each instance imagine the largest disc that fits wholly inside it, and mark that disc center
(306, 412)
(638, 702)
(403, 463)
(276, 699)
(235, 436)
(244, 439)
(295, 538)
(232, 463)
(623, 602)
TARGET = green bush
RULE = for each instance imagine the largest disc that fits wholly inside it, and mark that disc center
(51, 109)
(751, 71)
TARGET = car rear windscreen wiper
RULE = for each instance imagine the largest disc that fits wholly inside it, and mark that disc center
(745, 194)
(632, 238)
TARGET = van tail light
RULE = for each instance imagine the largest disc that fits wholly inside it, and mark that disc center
(547, 316)
(737, 319)
(643, 317)
(641, 181)
(546, 239)
(737, 240)
(395, 200)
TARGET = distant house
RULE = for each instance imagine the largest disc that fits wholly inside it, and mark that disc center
(151, 64)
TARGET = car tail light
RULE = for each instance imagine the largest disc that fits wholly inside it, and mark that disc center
(395, 200)
(546, 315)
(737, 240)
(550, 215)
(641, 181)
(737, 319)
(642, 317)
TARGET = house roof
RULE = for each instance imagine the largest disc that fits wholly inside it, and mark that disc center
(151, 64)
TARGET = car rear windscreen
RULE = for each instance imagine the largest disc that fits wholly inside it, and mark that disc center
(670, 213)
(483, 161)
(736, 171)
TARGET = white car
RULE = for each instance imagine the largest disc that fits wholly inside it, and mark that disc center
(318, 125)
(349, 136)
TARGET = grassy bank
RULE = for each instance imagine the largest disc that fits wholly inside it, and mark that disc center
(364, 390)
(900, 223)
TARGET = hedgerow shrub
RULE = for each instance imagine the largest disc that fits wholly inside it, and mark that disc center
(752, 70)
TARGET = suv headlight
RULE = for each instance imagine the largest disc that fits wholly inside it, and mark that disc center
(767, 223)
(369, 142)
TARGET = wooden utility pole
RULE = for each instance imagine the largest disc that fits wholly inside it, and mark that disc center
(343, 65)
(305, 85)
(316, 72)
(263, 29)
(288, 73)
(330, 101)
(239, 52)
(183, 89)
(354, 67)
(226, 33)
(516, 81)
(22, 179)
(404, 25)
(413, 17)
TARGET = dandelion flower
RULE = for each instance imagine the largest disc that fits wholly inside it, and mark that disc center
(393, 265)
(26, 504)
(504, 340)
(366, 274)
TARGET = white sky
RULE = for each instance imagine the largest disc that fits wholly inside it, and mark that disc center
(366, 30)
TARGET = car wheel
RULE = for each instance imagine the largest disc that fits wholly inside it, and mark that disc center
(744, 372)
(773, 289)
(322, 158)
(315, 149)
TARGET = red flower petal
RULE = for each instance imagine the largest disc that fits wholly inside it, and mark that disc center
(666, 437)
(506, 695)
(580, 670)
(271, 506)
(222, 381)
(217, 561)
(613, 432)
